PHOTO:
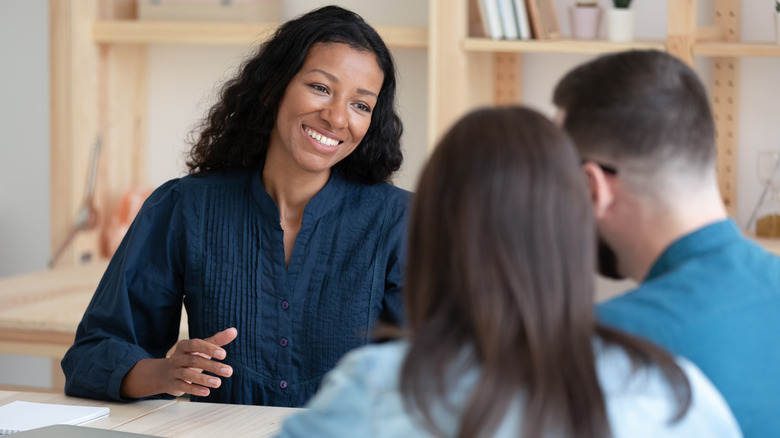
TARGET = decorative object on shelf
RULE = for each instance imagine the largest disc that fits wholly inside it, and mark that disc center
(266, 11)
(777, 21)
(767, 212)
(620, 22)
(123, 215)
(544, 19)
(585, 19)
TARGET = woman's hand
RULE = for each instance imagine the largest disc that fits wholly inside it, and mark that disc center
(182, 372)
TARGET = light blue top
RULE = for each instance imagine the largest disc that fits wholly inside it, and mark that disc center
(714, 297)
(361, 398)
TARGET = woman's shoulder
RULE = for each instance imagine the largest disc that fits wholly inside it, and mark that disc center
(372, 370)
(216, 177)
(641, 402)
(384, 192)
(376, 364)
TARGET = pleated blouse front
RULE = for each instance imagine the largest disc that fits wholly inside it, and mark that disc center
(215, 243)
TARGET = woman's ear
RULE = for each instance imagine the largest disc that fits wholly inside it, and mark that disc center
(602, 193)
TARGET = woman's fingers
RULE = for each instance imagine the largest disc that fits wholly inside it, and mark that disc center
(194, 356)
(224, 337)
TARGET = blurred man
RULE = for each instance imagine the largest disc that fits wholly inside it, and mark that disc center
(645, 133)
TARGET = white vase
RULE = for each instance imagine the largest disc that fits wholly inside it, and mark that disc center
(585, 22)
(777, 26)
(620, 25)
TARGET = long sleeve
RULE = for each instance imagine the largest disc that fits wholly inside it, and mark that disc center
(136, 310)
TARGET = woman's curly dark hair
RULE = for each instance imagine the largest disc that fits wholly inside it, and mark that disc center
(236, 132)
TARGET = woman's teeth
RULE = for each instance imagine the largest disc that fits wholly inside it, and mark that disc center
(321, 138)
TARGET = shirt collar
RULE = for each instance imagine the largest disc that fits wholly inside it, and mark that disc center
(326, 199)
(693, 245)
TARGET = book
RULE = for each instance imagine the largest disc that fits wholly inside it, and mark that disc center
(506, 11)
(543, 18)
(19, 416)
(523, 26)
(491, 20)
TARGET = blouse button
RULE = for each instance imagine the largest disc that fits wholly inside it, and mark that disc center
(283, 384)
(283, 342)
(285, 304)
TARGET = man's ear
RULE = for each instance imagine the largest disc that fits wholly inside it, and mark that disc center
(602, 193)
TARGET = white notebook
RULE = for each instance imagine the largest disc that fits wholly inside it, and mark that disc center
(20, 416)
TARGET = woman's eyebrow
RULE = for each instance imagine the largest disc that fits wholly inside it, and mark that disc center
(336, 80)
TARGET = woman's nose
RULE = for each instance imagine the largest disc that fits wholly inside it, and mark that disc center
(335, 113)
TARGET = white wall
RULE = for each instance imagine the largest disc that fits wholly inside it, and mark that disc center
(24, 135)
(24, 167)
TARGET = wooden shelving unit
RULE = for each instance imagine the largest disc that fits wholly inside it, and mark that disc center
(99, 66)
(178, 32)
(555, 46)
(467, 71)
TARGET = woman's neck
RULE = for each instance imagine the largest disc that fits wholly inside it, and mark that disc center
(291, 187)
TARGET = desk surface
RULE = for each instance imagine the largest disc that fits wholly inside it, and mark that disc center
(172, 418)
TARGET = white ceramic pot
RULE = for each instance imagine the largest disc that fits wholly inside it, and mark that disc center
(620, 25)
(585, 22)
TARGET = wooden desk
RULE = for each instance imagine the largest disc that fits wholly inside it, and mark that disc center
(173, 418)
(39, 312)
(194, 420)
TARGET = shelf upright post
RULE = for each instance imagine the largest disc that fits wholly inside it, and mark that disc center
(681, 29)
(97, 91)
(458, 80)
(73, 120)
(725, 103)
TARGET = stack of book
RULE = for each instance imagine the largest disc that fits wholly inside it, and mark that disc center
(518, 19)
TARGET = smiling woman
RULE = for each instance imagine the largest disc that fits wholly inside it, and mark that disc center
(285, 243)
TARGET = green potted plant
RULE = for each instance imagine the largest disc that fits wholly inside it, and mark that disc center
(585, 18)
(620, 22)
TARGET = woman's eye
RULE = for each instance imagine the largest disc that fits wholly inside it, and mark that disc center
(363, 107)
(319, 88)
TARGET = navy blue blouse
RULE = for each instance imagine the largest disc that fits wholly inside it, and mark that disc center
(214, 242)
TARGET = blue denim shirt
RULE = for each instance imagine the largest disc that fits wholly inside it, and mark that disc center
(714, 297)
(361, 398)
(214, 243)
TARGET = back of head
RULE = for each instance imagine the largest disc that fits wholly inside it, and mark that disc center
(500, 262)
(237, 130)
(642, 111)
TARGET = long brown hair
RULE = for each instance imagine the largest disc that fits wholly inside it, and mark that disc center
(501, 258)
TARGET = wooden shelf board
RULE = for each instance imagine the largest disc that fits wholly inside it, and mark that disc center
(737, 49)
(555, 46)
(230, 33)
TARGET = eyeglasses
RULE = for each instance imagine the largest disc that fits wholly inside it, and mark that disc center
(604, 167)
